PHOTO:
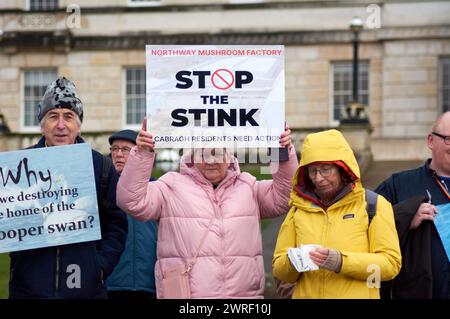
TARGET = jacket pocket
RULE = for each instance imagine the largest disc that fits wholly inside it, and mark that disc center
(258, 274)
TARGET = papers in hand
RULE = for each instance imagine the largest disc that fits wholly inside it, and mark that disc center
(299, 258)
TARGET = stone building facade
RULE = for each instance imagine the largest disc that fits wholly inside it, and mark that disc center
(404, 54)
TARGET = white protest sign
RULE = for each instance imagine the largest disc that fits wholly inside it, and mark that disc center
(47, 197)
(215, 96)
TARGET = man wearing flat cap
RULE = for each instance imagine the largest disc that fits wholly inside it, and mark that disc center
(134, 276)
(44, 272)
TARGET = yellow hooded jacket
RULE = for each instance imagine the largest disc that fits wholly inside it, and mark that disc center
(370, 253)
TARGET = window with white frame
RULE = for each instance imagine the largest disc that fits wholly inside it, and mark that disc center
(35, 84)
(135, 95)
(138, 3)
(445, 84)
(342, 82)
(41, 5)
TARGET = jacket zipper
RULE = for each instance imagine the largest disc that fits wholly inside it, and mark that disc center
(217, 212)
(57, 272)
(324, 240)
(216, 209)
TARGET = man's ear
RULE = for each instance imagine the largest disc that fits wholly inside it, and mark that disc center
(430, 141)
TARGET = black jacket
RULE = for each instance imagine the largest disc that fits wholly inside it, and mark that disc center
(415, 278)
(44, 272)
(425, 267)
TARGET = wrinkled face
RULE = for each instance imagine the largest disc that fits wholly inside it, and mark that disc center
(60, 127)
(120, 149)
(440, 150)
(212, 163)
(327, 180)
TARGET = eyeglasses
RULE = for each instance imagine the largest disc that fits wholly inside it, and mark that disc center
(125, 150)
(325, 171)
(445, 138)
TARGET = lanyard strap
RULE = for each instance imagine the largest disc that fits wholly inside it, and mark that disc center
(444, 189)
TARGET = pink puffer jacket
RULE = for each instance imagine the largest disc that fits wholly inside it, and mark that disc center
(230, 262)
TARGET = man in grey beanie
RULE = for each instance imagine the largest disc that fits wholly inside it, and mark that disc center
(60, 113)
(47, 272)
(60, 94)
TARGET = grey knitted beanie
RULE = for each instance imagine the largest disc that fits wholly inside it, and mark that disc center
(60, 94)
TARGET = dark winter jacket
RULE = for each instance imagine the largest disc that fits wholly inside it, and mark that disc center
(44, 272)
(415, 278)
(136, 268)
(404, 186)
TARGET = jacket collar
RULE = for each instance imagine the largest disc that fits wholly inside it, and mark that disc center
(41, 142)
(309, 195)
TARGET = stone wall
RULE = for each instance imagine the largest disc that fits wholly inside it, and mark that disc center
(98, 76)
(410, 86)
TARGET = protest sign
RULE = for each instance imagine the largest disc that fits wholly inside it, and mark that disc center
(47, 197)
(442, 223)
(215, 96)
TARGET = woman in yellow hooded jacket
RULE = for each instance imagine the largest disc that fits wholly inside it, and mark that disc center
(328, 208)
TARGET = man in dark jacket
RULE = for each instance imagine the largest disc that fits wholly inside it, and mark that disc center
(134, 276)
(430, 182)
(46, 272)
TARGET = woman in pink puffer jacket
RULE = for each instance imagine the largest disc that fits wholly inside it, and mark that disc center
(211, 193)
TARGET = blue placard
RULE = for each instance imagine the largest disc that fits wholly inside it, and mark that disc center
(442, 222)
(47, 197)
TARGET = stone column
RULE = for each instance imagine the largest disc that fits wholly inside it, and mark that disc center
(358, 136)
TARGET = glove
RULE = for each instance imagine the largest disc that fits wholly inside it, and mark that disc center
(333, 262)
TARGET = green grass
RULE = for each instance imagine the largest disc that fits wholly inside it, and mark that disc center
(255, 170)
(265, 223)
(156, 172)
(4, 275)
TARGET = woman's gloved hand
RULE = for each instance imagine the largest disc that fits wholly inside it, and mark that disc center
(327, 258)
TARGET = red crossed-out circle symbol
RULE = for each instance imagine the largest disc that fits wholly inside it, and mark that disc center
(222, 79)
